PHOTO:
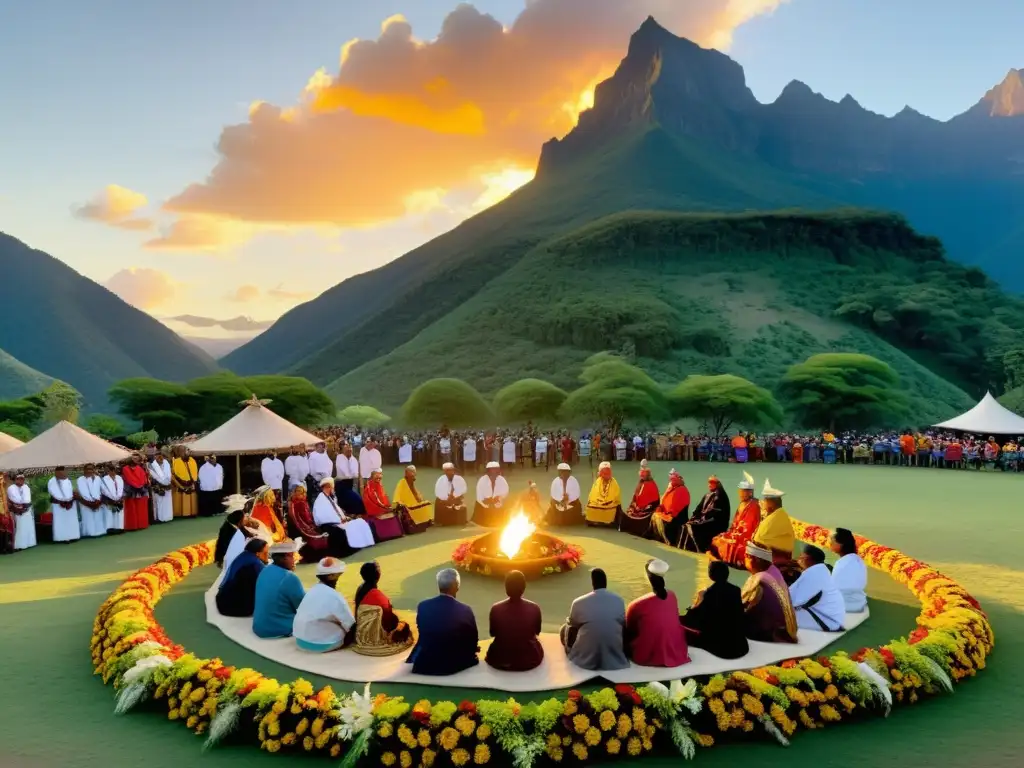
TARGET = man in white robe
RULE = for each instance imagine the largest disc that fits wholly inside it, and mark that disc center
(211, 487)
(63, 507)
(540, 452)
(491, 492)
(345, 533)
(19, 502)
(296, 467)
(90, 501)
(850, 574)
(508, 452)
(320, 467)
(566, 507)
(469, 453)
(272, 472)
(450, 497)
(160, 485)
(369, 460)
(112, 493)
(323, 619)
(817, 602)
(405, 452)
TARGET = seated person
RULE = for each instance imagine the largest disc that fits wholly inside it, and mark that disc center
(715, 622)
(531, 505)
(515, 625)
(565, 507)
(300, 519)
(263, 512)
(815, 598)
(768, 612)
(384, 518)
(593, 633)
(448, 639)
(849, 574)
(775, 532)
(670, 517)
(345, 534)
(236, 594)
(246, 529)
(646, 498)
(654, 637)
(731, 546)
(419, 512)
(710, 518)
(491, 492)
(323, 621)
(278, 592)
(450, 497)
(227, 532)
(378, 630)
(604, 505)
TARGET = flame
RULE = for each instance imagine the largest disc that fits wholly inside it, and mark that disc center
(518, 530)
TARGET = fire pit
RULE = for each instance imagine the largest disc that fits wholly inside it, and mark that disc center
(519, 546)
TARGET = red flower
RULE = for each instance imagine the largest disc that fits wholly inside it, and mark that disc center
(772, 680)
(223, 673)
(423, 718)
(624, 689)
(467, 706)
(887, 657)
(918, 635)
(248, 688)
(575, 695)
(788, 664)
(824, 661)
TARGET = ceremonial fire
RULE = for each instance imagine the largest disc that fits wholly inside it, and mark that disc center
(518, 530)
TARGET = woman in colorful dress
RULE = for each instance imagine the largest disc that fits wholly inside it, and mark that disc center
(379, 632)
(263, 512)
(300, 520)
(646, 497)
(384, 519)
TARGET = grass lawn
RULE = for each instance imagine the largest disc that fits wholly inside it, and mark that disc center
(965, 523)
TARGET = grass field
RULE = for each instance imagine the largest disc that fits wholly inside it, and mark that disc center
(968, 524)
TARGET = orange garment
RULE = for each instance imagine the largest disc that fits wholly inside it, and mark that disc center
(798, 453)
(732, 545)
(907, 445)
(739, 442)
(375, 499)
(265, 514)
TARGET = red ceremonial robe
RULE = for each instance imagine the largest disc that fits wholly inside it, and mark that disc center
(731, 546)
(136, 500)
(654, 635)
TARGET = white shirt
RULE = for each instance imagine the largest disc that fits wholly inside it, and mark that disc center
(508, 451)
(405, 453)
(113, 487)
(297, 469)
(571, 488)
(89, 488)
(584, 447)
(211, 477)
(61, 490)
(369, 460)
(469, 449)
(272, 471)
(323, 617)
(484, 490)
(830, 607)
(320, 465)
(850, 576)
(457, 485)
(161, 473)
(326, 511)
(22, 495)
(542, 445)
(347, 466)
(446, 446)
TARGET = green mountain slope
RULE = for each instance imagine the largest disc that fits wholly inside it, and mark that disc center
(58, 321)
(18, 380)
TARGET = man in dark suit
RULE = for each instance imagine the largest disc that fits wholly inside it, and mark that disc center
(447, 631)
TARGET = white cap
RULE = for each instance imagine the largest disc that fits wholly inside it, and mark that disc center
(747, 483)
(447, 465)
(329, 565)
(563, 467)
(327, 481)
(286, 547)
(234, 502)
(493, 465)
(412, 467)
(771, 493)
(604, 465)
(657, 567)
(755, 550)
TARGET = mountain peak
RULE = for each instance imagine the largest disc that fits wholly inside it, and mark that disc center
(1005, 99)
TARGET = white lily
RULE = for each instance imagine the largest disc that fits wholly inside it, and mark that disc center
(356, 714)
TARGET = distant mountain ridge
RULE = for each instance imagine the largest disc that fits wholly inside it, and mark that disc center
(19, 380)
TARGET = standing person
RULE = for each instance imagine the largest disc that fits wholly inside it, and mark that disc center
(112, 492)
(89, 501)
(369, 460)
(136, 494)
(567, 448)
(296, 467)
(63, 506)
(160, 477)
(184, 473)
(508, 453)
(469, 453)
(585, 450)
(540, 452)
(405, 451)
(445, 445)
(320, 467)
(450, 498)
(211, 487)
(19, 501)
(272, 473)
(347, 468)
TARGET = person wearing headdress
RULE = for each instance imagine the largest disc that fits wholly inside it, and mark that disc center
(211, 487)
(301, 525)
(849, 574)
(775, 532)
(112, 494)
(279, 592)
(184, 473)
(715, 621)
(515, 625)
(565, 507)
(89, 503)
(710, 518)
(450, 497)
(654, 637)
(323, 621)
(136, 494)
(646, 498)
(379, 632)
(385, 518)
(604, 504)
(731, 545)
(236, 595)
(817, 601)
(670, 517)
(491, 492)
(263, 512)
(19, 502)
(769, 615)
(345, 533)
(420, 511)
(346, 487)
(161, 483)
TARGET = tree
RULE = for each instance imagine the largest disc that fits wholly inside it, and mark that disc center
(140, 439)
(841, 390)
(217, 399)
(61, 402)
(102, 425)
(614, 392)
(1014, 400)
(528, 400)
(139, 397)
(25, 413)
(15, 430)
(1013, 364)
(449, 402)
(725, 400)
(295, 398)
(365, 416)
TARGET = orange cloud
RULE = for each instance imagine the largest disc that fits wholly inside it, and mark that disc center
(403, 116)
(142, 287)
(202, 232)
(282, 294)
(117, 206)
(244, 294)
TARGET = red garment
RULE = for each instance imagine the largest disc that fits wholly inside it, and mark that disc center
(389, 621)
(646, 493)
(732, 545)
(300, 516)
(136, 507)
(567, 449)
(675, 501)
(515, 625)
(375, 499)
(654, 636)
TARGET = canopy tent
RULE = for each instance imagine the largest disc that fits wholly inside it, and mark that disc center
(62, 445)
(8, 443)
(987, 417)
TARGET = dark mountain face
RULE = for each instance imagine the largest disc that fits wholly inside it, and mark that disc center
(68, 327)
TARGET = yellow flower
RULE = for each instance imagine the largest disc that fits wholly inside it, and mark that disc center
(288, 739)
(580, 723)
(321, 740)
(639, 719)
(614, 746)
(570, 708)
(483, 732)
(753, 705)
(553, 741)
(278, 708)
(566, 741)
(406, 737)
(828, 713)
(624, 726)
(648, 744)
(730, 696)
(716, 706)
(423, 737)
(198, 694)
(831, 692)
(465, 725)
(705, 740)
(272, 745)
(482, 754)
(579, 749)
(274, 728)
(172, 715)
(748, 726)
(318, 727)
(606, 720)
(738, 716)
(404, 759)
(388, 759)
(460, 756)
(191, 722)
(385, 731)
(896, 675)
(296, 709)
(592, 737)
(308, 743)
(556, 754)
(448, 738)
(427, 758)
(336, 750)
(633, 746)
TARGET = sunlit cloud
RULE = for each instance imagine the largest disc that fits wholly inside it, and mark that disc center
(116, 206)
(143, 288)
(243, 294)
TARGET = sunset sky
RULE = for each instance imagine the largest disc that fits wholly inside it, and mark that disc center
(238, 157)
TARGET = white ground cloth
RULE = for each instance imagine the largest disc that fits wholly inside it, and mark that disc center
(556, 671)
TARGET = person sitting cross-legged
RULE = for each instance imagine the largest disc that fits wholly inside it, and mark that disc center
(448, 637)
(715, 621)
(379, 632)
(323, 621)
(769, 612)
(236, 595)
(417, 513)
(594, 631)
(849, 574)
(515, 626)
(654, 636)
(384, 518)
(816, 599)
(278, 592)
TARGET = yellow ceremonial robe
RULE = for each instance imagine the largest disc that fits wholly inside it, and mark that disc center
(184, 488)
(420, 510)
(776, 533)
(604, 502)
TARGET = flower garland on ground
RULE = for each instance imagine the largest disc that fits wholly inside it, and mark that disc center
(131, 651)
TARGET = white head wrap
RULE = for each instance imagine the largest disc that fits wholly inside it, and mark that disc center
(493, 465)
(329, 565)
(563, 467)
(657, 567)
(754, 550)
(286, 547)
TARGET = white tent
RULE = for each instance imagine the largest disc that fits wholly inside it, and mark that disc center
(255, 430)
(65, 445)
(8, 443)
(987, 417)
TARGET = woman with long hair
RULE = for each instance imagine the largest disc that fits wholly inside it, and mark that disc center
(379, 632)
